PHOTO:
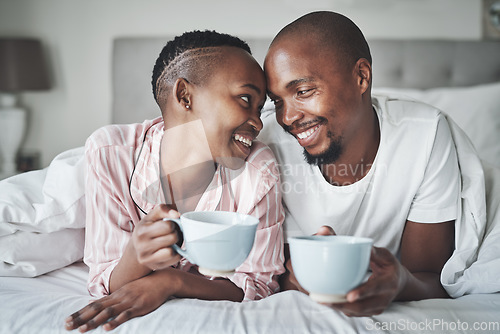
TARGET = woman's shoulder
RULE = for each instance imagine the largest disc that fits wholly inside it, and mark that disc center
(262, 159)
(121, 135)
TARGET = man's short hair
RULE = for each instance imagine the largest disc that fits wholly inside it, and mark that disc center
(331, 30)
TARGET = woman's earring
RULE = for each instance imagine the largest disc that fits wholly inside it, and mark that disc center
(187, 106)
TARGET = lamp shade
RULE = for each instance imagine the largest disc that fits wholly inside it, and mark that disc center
(22, 65)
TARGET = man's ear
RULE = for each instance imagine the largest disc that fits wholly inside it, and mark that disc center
(364, 72)
(181, 93)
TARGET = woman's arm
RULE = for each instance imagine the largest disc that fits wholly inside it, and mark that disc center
(146, 294)
(148, 249)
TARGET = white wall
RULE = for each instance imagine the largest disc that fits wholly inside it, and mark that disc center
(78, 37)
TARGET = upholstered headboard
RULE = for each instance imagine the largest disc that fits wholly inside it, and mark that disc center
(396, 63)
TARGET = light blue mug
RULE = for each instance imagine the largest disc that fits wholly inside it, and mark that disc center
(217, 241)
(328, 267)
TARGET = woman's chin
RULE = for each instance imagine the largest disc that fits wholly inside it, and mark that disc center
(231, 162)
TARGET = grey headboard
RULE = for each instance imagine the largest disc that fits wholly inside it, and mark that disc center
(396, 63)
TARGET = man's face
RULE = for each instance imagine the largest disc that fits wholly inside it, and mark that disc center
(317, 98)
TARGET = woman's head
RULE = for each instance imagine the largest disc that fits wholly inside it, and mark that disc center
(192, 56)
(212, 78)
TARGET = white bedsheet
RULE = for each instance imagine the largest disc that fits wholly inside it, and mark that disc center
(40, 305)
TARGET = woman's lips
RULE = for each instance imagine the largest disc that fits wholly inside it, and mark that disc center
(243, 142)
(247, 141)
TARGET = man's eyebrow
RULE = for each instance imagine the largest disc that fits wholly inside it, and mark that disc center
(299, 81)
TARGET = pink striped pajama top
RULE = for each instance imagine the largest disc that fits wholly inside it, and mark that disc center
(122, 185)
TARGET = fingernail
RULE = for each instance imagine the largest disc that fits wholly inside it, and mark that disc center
(83, 328)
(69, 324)
(352, 297)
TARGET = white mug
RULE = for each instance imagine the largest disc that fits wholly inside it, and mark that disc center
(217, 241)
(328, 267)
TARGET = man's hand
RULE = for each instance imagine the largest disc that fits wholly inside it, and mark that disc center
(425, 248)
(372, 297)
(387, 280)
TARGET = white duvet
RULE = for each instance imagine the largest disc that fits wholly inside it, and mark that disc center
(42, 217)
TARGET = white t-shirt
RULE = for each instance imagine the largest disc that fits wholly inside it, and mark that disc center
(414, 176)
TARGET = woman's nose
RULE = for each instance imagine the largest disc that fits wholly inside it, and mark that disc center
(256, 122)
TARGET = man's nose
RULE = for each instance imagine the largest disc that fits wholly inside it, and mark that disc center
(290, 113)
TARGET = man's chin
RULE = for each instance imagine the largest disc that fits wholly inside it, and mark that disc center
(329, 156)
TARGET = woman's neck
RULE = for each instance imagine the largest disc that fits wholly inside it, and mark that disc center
(185, 187)
(186, 164)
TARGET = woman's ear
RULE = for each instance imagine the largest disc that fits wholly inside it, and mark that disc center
(364, 70)
(181, 93)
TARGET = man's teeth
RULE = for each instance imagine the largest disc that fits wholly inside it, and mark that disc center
(243, 140)
(305, 134)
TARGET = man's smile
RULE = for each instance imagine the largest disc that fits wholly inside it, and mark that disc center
(307, 133)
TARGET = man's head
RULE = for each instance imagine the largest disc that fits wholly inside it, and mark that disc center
(318, 71)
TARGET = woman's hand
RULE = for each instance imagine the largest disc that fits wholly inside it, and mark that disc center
(146, 294)
(153, 237)
(148, 249)
(134, 299)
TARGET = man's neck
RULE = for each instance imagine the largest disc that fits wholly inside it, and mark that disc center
(358, 157)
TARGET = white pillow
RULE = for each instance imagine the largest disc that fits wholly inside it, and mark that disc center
(475, 109)
(28, 254)
(42, 217)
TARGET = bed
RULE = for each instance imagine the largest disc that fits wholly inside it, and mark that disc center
(42, 222)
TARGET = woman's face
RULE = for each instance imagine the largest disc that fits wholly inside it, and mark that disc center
(229, 106)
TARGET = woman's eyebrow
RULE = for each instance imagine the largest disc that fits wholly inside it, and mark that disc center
(252, 86)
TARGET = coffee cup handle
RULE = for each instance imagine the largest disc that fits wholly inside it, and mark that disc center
(175, 247)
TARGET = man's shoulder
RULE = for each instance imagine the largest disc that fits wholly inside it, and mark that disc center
(398, 110)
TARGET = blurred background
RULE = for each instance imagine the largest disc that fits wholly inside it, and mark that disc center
(77, 36)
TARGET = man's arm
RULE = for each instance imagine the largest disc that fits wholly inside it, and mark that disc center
(425, 248)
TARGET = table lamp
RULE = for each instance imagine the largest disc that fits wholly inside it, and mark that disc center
(22, 68)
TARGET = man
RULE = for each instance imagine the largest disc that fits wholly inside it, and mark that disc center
(374, 167)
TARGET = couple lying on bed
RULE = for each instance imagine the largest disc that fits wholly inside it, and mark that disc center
(358, 165)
